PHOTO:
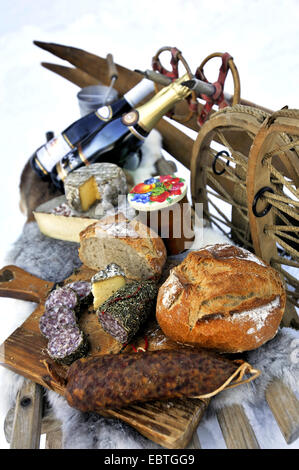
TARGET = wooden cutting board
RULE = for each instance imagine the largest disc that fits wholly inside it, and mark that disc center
(169, 423)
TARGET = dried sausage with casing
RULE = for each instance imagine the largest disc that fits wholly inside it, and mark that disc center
(115, 381)
(127, 309)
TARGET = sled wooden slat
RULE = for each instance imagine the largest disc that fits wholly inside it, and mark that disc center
(236, 429)
(72, 74)
(54, 440)
(285, 408)
(49, 424)
(194, 442)
(175, 142)
(26, 428)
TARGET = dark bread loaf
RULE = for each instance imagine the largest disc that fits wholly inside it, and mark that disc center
(221, 297)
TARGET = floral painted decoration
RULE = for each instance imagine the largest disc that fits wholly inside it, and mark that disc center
(158, 189)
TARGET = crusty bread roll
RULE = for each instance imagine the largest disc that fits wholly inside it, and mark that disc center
(136, 249)
(221, 297)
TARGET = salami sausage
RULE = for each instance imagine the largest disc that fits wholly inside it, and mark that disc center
(125, 311)
(62, 296)
(59, 321)
(83, 290)
(55, 319)
(115, 381)
(67, 345)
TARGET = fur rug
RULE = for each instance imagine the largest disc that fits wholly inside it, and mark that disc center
(32, 252)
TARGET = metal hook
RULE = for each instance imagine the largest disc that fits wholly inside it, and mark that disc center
(222, 152)
(255, 201)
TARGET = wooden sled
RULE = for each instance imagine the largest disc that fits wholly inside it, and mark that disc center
(242, 131)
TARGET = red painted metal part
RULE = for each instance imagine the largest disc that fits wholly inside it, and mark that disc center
(218, 97)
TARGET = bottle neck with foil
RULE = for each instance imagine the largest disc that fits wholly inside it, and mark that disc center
(150, 113)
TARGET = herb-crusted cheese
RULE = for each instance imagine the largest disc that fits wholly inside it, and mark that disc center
(106, 282)
(97, 182)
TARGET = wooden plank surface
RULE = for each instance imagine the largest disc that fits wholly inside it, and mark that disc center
(49, 424)
(194, 442)
(285, 408)
(26, 427)
(236, 429)
(170, 430)
(72, 74)
(54, 440)
(169, 424)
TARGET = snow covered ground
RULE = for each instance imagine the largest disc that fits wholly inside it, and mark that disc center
(261, 35)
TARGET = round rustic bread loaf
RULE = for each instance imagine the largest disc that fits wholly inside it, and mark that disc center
(221, 297)
(135, 248)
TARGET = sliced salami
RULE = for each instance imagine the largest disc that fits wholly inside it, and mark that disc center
(67, 345)
(55, 319)
(62, 296)
(82, 289)
(59, 321)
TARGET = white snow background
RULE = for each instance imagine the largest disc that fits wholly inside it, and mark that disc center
(261, 35)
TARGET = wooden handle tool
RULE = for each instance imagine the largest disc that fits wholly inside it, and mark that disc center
(112, 70)
(112, 73)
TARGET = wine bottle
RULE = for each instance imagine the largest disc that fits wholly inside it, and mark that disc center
(43, 160)
(119, 140)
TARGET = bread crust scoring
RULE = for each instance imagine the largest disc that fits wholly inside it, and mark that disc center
(221, 297)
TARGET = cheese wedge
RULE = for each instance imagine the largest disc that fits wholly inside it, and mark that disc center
(61, 227)
(56, 219)
(97, 182)
(105, 283)
(89, 193)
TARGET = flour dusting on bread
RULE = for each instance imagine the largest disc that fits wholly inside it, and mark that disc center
(173, 287)
(241, 253)
(259, 315)
(117, 229)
